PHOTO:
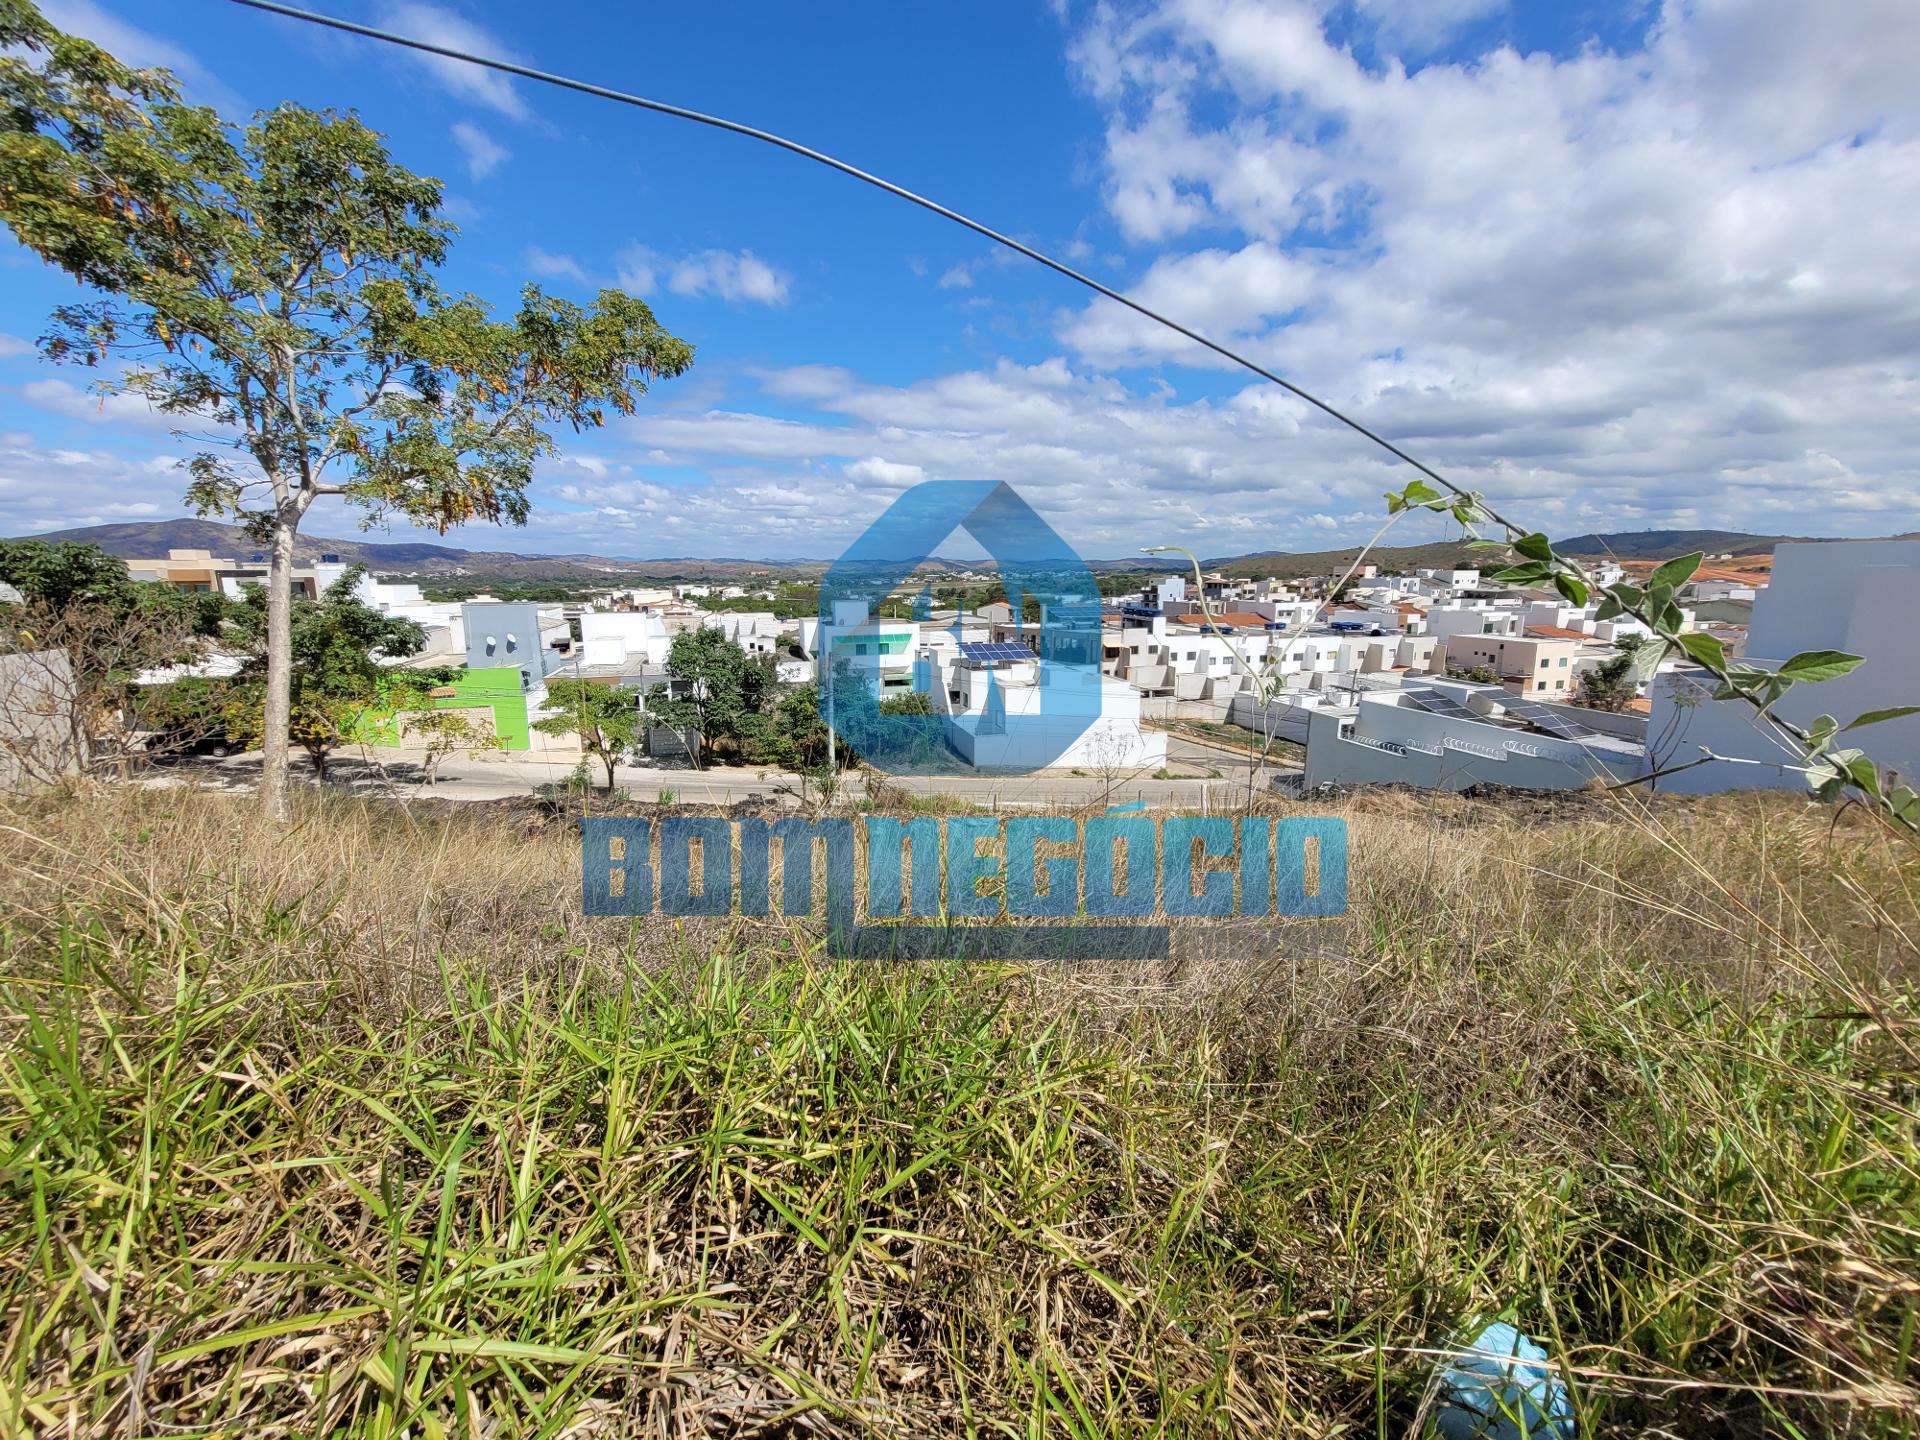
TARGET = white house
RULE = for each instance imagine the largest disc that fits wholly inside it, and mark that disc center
(1005, 715)
(755, 631)
(619, 637)
(443, 620)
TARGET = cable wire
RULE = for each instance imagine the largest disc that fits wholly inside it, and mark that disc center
(735, 127)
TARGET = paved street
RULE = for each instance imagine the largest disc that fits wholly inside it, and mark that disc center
(1217, 778)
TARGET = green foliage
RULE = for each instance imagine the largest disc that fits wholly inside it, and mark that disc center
(274, 284)
(789, 602)
(1477, 674)
(337, 643)
(1609, 685)
(1815, 665)
(67, 573)
(338, 640)
(445, 733)
(606, 719)
(188, 714)
(800, 733)
(1831, 772)
(724, 695)
(277, 279)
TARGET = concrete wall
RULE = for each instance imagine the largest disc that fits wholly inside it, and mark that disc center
(1433, 757)
(505, 633)
(37, 695)
(1281, 719)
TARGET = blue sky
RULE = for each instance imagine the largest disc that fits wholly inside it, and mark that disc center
(1619, 265)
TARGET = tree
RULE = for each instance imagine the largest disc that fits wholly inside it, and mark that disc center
(1475, 674)
(188, 716)
(1608, 685)
(275, 282)
(66, 573)
(605, 717)
(445, 733)
(83, 634)
(800, 733)
(723, 692)
(335, 645)
(60, 575)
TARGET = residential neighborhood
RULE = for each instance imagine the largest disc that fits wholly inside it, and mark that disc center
(1439, 679)
(1080, 720)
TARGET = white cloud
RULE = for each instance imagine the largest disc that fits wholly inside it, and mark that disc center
(12, 346)
(736, 275)
(959, 277)
(1645, 277)
(884, 474)
(1418, 25)
(438, 25)
(483, 153)
(552, 266)
(1661, 288)
(59, 397)
(138, 47)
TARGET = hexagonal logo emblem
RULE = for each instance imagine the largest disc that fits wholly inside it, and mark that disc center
(1014, 703)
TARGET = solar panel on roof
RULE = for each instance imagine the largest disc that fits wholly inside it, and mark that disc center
(994, 651)
(1439, 704)
(1541, 718)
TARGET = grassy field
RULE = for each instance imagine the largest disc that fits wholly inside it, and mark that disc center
(365, 1130)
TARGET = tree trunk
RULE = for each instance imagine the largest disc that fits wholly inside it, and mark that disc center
(610, 759)
(279, 706)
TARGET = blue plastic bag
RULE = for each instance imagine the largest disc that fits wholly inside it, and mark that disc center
(1497, 1389)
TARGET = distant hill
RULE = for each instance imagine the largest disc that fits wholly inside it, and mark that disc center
(1665, 544)
(419, 558)
(1391, 559)
(153, 539)
(1623, 545)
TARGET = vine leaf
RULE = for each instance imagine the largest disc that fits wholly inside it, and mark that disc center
(1676, 573)
(1874, 717)
(1810, 666)
(1705, 648)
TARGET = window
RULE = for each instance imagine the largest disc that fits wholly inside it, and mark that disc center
(1545, 663)
(1563, 662)
(1539, 684)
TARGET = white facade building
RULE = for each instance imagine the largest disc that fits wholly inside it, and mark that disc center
(1854, 596)
(998, 717)
(622, 637)
(443, 620)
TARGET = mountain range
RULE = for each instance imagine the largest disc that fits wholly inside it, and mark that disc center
(155, 538)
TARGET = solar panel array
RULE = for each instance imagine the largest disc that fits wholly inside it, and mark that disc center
(1438, 704)
(1541, 718)
(994, 650)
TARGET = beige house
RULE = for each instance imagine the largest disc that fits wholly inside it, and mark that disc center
(202, 570)
(1539, 667)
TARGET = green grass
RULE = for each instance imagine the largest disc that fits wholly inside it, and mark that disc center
(272, 1163)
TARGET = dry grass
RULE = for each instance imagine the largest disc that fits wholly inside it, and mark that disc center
(366, 1130)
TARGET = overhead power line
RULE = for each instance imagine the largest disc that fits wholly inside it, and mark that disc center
(735, 127)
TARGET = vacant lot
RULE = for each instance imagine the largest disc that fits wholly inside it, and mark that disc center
(363, 1129)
